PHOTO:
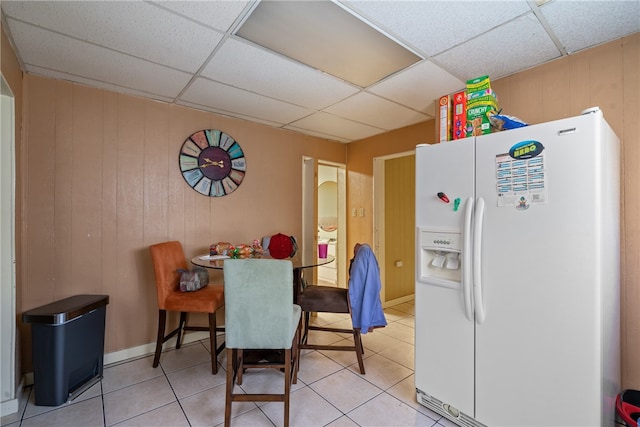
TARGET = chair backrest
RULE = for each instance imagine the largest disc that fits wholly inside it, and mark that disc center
(259, 310)
(167, 258)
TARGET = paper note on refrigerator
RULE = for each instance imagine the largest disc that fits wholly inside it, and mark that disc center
(520, 182)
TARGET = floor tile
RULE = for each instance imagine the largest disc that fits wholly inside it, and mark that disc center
(207, 407)
(87, 413)
(386, 410)
(383, 372)
(137, 399)
(195, 379)
(168, 415)
(125, 374)
(308, 409)
(400, 332)
(405, 391)
(33, 410)
(376, 341)
(315, 365)
(402, 353)
(184, 357)
(340, 390)
(253, 418)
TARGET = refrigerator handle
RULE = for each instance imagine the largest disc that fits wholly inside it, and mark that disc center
(477, 259)
(466, 259)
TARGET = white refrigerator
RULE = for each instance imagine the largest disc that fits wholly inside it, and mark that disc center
(517, 276)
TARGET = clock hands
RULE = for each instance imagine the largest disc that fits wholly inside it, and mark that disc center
(220, 163)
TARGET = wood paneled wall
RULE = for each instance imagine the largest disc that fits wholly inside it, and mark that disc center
(102, 183)
(607, 76)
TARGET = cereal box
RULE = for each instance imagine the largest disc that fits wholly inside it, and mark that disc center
(459, 114)
(478, 84)
(477, 115)
(444, 118)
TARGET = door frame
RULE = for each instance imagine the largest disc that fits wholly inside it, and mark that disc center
(379, 219)
(8, 333)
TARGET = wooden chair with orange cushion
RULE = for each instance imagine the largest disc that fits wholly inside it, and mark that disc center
(168, 258)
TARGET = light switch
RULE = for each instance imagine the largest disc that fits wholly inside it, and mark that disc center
(353, 212)
(361, 211)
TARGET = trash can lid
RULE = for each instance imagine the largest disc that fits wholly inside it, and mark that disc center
(64, 310)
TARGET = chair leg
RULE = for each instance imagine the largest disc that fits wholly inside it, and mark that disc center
(305, 331)
(213, 343)
(287, 384)
(229, 387)
(357, 341)
(162, 320)
(295, 348)
(183, 321)
(239, 365)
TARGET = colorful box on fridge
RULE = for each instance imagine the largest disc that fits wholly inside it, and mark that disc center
(478, 84)
(478, 110)
(444, 118)
(459, 115)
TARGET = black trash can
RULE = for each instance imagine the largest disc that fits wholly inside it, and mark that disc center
(67, 339)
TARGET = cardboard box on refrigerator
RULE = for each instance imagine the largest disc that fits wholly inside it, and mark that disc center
(444, 118)
(459, 119)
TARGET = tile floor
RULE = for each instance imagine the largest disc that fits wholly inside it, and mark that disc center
(182, 391)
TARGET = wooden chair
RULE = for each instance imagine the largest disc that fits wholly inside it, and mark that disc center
(329, 299)
(262, 326)
(168, 258)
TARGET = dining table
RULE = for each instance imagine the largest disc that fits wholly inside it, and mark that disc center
(299, 260)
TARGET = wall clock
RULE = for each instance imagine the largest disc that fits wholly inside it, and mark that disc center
(212, 163)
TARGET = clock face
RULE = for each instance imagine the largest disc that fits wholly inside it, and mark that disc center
(212, 163)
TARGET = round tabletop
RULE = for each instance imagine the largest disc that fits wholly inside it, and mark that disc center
(298, 260)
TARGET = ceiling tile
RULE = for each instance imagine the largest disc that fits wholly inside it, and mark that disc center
(591, 21)
(97, 83)
(137, 28)
(233, 100)
(515, 46)
(63, 54)
(375, 111)
(278, 77)
(329, 124)
(220, 15)
(435, 26)
(418, 86)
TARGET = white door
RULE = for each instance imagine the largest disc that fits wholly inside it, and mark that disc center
(444, 342)
(537, 352)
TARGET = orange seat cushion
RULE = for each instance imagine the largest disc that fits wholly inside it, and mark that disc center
(205, 300)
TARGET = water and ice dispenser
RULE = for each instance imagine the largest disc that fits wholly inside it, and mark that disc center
(440, 257)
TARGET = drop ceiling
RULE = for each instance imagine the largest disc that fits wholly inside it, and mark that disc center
(188, 53)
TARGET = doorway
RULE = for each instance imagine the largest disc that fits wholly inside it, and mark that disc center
(394, 225)
(8, 378)
(324, 200)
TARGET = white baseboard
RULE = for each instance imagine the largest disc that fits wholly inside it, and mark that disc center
(397, 301)
(9, 407)
(150, 348)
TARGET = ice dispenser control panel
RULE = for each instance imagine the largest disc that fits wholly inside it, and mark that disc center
(440, 257)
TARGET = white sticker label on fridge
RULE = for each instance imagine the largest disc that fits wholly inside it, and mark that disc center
(520, 182)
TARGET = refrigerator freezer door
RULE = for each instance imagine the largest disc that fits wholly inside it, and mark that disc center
(444, 358)
(540, 343)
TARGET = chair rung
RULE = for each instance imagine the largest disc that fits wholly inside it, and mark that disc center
(258, 397)
(327, 347)
(322, 328)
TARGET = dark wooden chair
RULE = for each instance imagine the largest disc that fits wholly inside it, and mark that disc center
(329, 299)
